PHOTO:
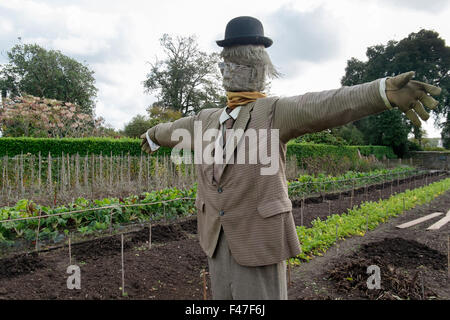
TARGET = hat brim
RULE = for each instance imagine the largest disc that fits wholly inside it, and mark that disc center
(255, 40)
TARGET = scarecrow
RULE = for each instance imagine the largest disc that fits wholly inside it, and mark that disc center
(244, 217)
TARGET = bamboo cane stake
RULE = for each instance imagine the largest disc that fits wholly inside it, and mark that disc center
(301, 210)
(86, 172)
(110, 170)
(101, 169)
(352, 194)
(32, 179)
(422, 285)
(110, 221)
(77, 172)
(448, 258)
(68, 169)
(204, 284)
(289, 273)
(70, 252)
(22, 190)
(337, 245)
(37, 232)
(39, 172)
(367, 222)
(149, 236)
(123, 270)
(63, 173)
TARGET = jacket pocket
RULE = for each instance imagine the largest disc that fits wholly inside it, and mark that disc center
(200, 205)
(273, 207)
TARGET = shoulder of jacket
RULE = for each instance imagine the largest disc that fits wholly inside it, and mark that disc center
(206, 113)
(265, 105)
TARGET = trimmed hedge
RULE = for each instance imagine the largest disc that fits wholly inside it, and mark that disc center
(309, 150)
(107, 146)
(82, 146)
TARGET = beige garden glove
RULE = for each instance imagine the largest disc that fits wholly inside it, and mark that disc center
(410, 96)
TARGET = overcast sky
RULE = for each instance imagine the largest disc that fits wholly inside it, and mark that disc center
(313, 39)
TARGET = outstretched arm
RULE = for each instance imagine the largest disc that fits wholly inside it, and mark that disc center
(161, 134)
(313, 112)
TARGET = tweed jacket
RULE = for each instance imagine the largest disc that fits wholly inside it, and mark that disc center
(254, 209)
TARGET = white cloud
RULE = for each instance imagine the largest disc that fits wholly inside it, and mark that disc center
(302, 36)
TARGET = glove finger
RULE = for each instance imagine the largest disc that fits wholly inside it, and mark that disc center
(434, 90)
(402, 79)
(420, 110)
(428, 101)
(411, 115)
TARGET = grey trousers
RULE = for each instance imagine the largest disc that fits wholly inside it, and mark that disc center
(231, 281)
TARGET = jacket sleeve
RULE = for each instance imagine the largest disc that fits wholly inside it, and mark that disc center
(317, 111)
(178, 133)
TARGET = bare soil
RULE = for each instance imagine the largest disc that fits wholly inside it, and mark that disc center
(172, 268)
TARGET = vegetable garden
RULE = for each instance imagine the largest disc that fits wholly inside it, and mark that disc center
(160, 253)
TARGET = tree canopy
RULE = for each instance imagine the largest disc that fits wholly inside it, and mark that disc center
(187, 80)
(48, 74)
(423, 52)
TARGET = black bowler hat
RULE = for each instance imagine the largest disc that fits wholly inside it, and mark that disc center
(244, 30)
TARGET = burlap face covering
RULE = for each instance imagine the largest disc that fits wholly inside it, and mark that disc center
(238, 77)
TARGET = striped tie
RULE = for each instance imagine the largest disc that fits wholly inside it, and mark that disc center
(228, 124)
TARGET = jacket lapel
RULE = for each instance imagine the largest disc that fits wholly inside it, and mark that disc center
(212, 123)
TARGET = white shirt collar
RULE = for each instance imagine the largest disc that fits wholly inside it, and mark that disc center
(233, 114)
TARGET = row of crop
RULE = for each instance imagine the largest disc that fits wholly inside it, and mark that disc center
(87, 217)
(321, 183)
(324, 233)
(123, 146)
(135, 208)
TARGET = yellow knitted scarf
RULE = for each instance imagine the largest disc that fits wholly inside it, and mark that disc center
(235, 99)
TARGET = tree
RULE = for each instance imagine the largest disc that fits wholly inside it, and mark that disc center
(188, 79)
(349, 133)
(424, 52)
(159, 114)
(137, 126)
(140, 124)
(48, 73)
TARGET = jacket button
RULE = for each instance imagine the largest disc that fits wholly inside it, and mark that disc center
(221, 213)
(220, 190)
